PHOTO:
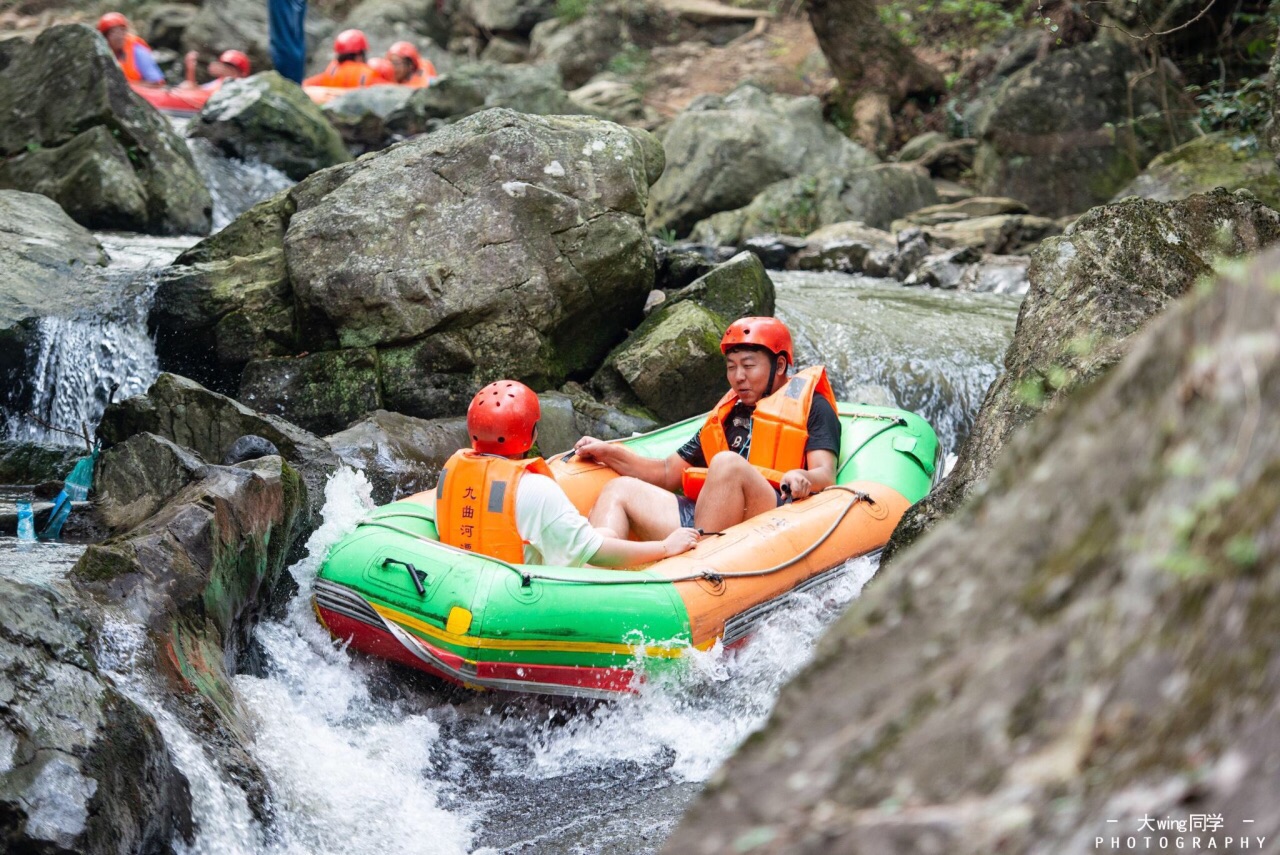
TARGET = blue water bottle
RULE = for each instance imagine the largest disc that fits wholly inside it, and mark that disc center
(26, 522)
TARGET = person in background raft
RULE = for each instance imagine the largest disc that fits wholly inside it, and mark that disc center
(493, 500)
(383, 69)
(772, 438)
(230, 65)
(287, 38)
(410, 68)
(133, 54)
(348, 69)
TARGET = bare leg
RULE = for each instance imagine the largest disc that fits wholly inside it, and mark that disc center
(633, 508)
(734, 492)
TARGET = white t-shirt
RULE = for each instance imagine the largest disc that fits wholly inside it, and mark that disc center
(556, 534)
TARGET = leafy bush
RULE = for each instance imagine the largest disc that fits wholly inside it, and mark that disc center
(1241, 110)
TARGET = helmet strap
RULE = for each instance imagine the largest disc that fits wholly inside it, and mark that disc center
(773, 372)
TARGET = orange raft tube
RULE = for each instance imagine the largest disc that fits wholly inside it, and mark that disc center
(392, 589)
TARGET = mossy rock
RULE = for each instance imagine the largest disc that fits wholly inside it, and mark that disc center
(1217, 160)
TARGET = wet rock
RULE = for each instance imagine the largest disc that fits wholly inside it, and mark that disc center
(1059, 133)
(671, 364)
(913, 246)
(136, 478)
(774, 251)
(999, 234)
(1091, 618)
(95, 148)
(678, 266)
(249, 447)
(361, 115)
(1213, 161)
(944, 270)
(1091, 289)
(33, 463)
(470, 88)
(847, 248)
(400, 455)
(321, 392)
(997, 274)
(738, 288)
(184, 412)
(767, 138)
(271, 120)
(86, 770)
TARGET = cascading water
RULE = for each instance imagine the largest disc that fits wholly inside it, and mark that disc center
(235, 185)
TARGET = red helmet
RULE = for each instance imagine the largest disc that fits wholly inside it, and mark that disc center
(502, 418)
(406, 50)
(350, 41)
(769, 333)
(383, 68)
(237, 60)
(111, 20)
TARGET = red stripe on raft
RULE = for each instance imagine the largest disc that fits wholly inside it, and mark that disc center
(378, 642)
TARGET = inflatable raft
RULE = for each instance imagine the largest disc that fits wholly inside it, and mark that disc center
(393, 590)
(174, 101)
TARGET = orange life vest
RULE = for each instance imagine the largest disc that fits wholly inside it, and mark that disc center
(419, 80)
(779, 429)
(128, 63)
(476, 503)
(344, 75)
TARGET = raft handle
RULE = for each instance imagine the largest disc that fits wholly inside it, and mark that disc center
(413, 573)
(526, 581)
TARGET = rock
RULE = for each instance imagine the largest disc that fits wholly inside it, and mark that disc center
(86, 770)
(517, 16)
(944, 270)
(678, 266)
(137, 477)
(595, 418)
(766, 138)
(1004, 233)
(880, 194)
(95, 148)
(616, 100)
(32, 463)
(738, 288)
(917, 147)
(950, 191)
(672, 362)
(913, 246)
(1058, 133)
(321, 392)
(361, 115)
(400, 455)
(271, 120)
(504, 51)
(1201, 165)
(655, 299)
(185, 413)
(1272, 131)
(975, 206)
(951, 160)
(997, 274)
(468, 89)
(847, 248)
(1091, 289)
(249, 447)
(167, 23)
(1091, 617)
(774, 251)
(580, 49)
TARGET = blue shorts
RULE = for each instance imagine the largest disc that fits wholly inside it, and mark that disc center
(687, 505)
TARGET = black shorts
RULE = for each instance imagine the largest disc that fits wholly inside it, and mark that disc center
(687, 505)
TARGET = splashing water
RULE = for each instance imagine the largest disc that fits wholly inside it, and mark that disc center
(234, 185)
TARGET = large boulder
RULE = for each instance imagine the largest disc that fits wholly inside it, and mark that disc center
(1068, 131)
(1087, 650)
(76, 132)
(321, 392)
(764, 138)
(1216, 160)
(136, 478)
(738, 288)
(579, 49)
(1117, 267)
(269, 119)
(507, 16)
(505, 244)
(85, 768)
(400, 455)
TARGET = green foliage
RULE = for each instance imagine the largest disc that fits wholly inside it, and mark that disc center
(667, 235)
(962, 23)
(1242, 110)
(572, 10)
(629, 61)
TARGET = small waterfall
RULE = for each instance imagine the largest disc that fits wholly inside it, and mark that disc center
(235, 185)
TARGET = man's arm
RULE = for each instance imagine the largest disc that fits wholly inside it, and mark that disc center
(146, 63)
(661, 472)
(820, 475)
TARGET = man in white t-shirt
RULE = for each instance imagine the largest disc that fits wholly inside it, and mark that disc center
(493, 500)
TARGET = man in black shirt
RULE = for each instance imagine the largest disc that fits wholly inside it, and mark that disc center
(771, 438)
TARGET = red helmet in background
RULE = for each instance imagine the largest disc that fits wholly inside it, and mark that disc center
(350, 41)
(502, 418)
(769, 333)
(111, 20)
(383, 68)
(237, 60)
(408, 51)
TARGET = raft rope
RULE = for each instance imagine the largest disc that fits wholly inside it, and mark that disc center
(712, 576)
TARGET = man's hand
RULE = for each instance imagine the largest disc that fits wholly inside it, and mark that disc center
(592, 450)
(797, 481)
(680, 540)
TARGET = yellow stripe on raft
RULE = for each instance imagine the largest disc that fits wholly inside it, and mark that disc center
(411, 622)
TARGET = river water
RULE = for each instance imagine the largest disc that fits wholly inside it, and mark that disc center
(363, 757)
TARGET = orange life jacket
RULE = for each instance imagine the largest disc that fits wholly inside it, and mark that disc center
(128, 63)
(779, 429)
(476, 503)
(344, 75)
(419, 79)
